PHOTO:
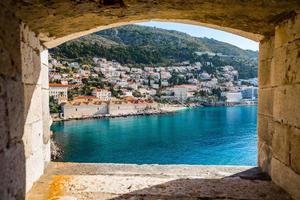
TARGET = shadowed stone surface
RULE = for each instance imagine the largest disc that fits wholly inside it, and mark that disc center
(56, 19)
(117, 181)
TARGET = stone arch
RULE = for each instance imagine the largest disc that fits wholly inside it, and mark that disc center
(35, 25)
(58, 19)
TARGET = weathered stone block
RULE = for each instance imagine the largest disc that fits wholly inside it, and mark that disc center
(286, 178)
(292, 70)
(34, 168)
(287, 104)
(287, 31)
(33, 103)
(30, 38)
(4, 134)
(31, 63)
(265, 128)
(285, 65)
(295, 149)
(278, 66)
(15, 105)
(264, 156)
(10, 57)
(266, 48)
(33, 138)
(44, 78)
(46, 116)
(265, 101)
(6, 61)
(281, 143)
(264, 73)
(12, 170)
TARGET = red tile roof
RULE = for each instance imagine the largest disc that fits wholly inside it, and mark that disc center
(57, 85)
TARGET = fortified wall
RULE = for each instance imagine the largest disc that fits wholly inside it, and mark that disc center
(279, 105)
(28, 28)
(103, 109)
(24, 107)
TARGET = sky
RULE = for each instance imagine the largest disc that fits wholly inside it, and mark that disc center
(200, 31)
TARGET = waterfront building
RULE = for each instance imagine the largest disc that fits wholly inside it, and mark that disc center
(182, 92)
(90, 106)
(84, 107)
(130, 107)
(249, 93)
(233, 97)
(102, 94)
(58, 91)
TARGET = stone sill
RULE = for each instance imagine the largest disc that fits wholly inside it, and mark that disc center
(130, 181)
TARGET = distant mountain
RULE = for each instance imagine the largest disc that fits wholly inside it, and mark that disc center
(141, 45)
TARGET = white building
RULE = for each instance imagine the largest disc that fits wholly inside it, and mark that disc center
(129, 108)
(233, 97)
(165, 83)
(180, 93)
(102, 94)
(249, 93)
(58, 91)
(127, 93)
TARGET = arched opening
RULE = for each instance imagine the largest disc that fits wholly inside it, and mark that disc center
(183, 72)
(36, 23)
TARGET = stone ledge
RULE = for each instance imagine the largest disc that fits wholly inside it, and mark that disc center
(123, 181)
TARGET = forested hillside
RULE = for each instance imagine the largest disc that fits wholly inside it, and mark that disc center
(140, 46)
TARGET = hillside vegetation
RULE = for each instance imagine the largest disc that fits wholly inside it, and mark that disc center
(139, 46)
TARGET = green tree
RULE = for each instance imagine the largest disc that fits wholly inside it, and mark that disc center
(136, 93)
(54, 106)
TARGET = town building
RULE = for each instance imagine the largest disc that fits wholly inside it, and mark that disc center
(83, 109)
(90, 106)
(102, 94)
(233, 97)
(58, 91)
(249, 93)
(182, 92)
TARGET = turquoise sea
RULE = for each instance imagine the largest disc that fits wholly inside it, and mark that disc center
(204, 135)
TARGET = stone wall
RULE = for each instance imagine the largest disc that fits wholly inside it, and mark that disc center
(279, 106)
(81, 111)
(24, 135)
(129, 108)
(24, 112)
